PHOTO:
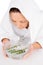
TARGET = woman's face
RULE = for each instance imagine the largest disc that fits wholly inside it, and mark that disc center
(18, 19)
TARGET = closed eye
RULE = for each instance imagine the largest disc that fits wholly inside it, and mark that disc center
(22, 21)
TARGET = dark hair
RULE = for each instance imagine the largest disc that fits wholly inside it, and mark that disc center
(13, 9)
(27, 25)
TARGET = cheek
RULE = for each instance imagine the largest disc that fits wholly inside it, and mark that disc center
(24, 24)
(11, 17)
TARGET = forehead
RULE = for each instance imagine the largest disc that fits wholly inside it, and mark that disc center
(17, 15)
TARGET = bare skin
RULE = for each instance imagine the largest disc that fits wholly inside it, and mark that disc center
(4, 42)
(33, 47)
(20, 21)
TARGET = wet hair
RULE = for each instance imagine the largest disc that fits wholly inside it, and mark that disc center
(14, 9)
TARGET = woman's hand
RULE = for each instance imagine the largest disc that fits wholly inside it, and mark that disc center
(4, 53)
(29, 52)
(6, 44)
(5, 40)
(33, 47)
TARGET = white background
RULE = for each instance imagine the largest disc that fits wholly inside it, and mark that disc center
(5, 3)
(3, 8)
